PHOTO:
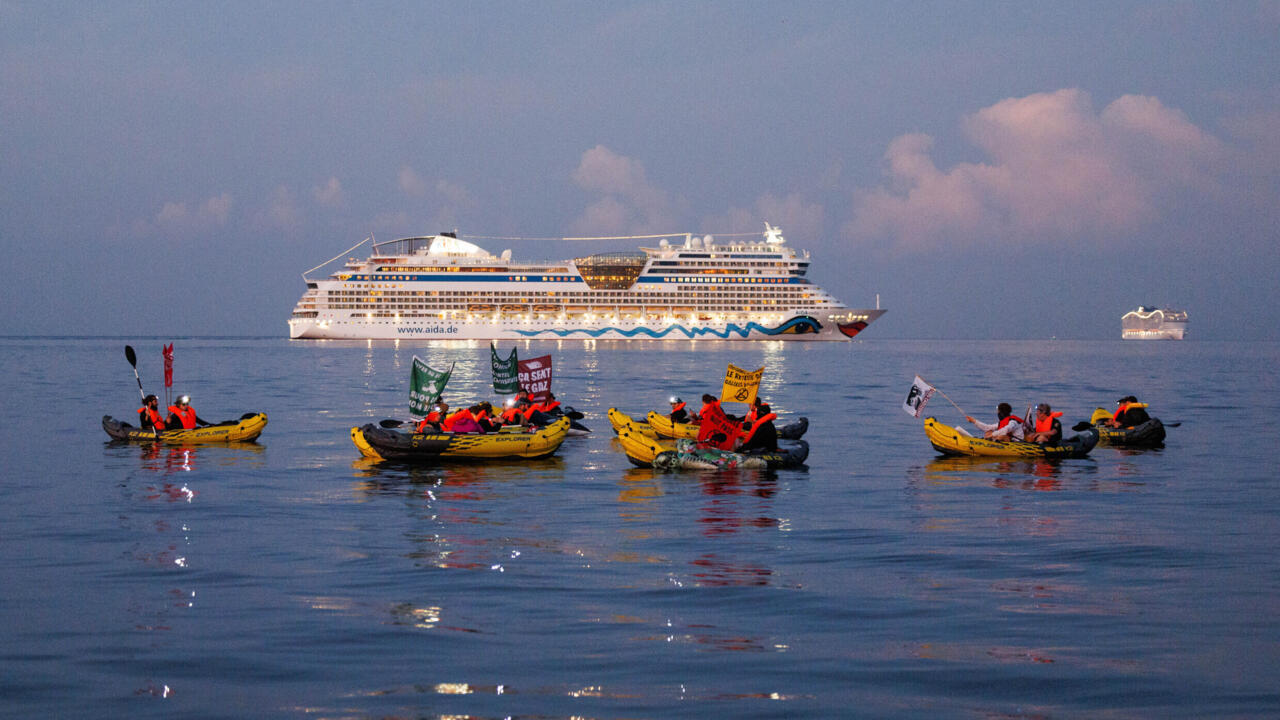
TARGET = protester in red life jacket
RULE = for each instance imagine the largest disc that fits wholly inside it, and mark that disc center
(1129, 412)
(149, 414)
(464, 422)
(511, 415)
(548, 406)
(431, 423)
(761, 436)
(182, 416)
(678, 413)
(1007, 427)
(1048, 430)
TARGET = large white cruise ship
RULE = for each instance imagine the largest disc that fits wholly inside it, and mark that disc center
(444, 287)
(1153, 324)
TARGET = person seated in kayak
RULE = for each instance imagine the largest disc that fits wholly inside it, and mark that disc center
(431, 423)
(761, 435)
(550, 406)
(486, 417)
(1129, 413)
(678, 413)
(1048, 430)
(182, 416)
(149, 415)
(1007, 426)
(464, 422)
(511, 415)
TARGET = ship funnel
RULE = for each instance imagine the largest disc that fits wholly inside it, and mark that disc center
(773, 235)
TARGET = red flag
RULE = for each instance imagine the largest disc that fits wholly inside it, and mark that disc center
(715, 422)
(535, 376)
(168, 364)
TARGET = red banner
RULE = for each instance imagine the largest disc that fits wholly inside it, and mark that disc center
(715, 422)
(168, 364)
(535, 377)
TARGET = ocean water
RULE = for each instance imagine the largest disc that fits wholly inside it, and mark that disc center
(289, 578)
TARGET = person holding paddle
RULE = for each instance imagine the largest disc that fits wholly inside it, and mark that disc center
(149, 415)
(1007, 426)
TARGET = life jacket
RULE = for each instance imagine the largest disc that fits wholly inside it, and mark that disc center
(751, 415)
(447, 424)
(1011, 418)
(756, 426)
(1046, 424)
(548, 407)
(153, 416)
(509, 415)
(432, 417)
(677, 408)
(187, 416)
(1124, 408)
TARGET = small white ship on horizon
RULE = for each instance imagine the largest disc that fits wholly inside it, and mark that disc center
(1154, 324)
(444, 287)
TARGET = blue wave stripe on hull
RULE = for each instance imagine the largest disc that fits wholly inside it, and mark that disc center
(689, 333)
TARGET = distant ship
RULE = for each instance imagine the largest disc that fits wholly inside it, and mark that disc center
(1154, 324)
(442, 286)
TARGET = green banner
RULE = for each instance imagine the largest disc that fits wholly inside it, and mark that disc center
(506, 381)
(425, 386)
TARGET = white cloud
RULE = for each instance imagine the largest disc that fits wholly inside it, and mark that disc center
(630, 205)
(1057, 171)
(800, 220)
(330, 194)
(176, 218)
(282, 211)
(411, 183)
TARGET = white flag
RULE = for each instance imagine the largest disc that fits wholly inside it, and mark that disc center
(917, 396)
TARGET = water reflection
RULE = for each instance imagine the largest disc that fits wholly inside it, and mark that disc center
(1019, 473)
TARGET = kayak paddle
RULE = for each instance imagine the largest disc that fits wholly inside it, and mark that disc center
(132, 357)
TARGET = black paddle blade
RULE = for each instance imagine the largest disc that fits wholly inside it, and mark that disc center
(391, 423)
(1082, 425)
(130, 355)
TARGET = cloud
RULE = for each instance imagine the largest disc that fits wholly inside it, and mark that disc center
(411, 183)
(176, 218)
(330, 194)
(282, 212)
(798, 218)
(630, 204)
(1057, 170)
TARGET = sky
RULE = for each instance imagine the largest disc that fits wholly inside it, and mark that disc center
(989, 170)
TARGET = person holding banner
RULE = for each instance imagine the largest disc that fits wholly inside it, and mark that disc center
(1007, 426)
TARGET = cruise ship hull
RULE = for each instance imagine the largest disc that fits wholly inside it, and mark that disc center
(830, 327)
(445, 287)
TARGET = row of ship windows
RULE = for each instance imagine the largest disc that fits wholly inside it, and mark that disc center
(592, 297)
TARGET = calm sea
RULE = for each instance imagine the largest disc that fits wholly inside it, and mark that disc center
(290, 579)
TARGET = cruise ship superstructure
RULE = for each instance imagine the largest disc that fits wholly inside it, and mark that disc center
(1153, 324)
(445, 287)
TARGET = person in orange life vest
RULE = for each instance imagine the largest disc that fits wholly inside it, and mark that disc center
(182, 416)
(678, 413)
(1007, 426)
(464, 422)
(149, 414)
(761, 435)
(550, 406)
(431, 423)
(511, 415)
(532, 415)
(1048, 430)
(486, 417)
(1126, 414)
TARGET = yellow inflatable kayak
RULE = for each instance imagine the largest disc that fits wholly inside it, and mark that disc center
(619, 420)
(380, 443)
(246, 429)
(953, 441)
